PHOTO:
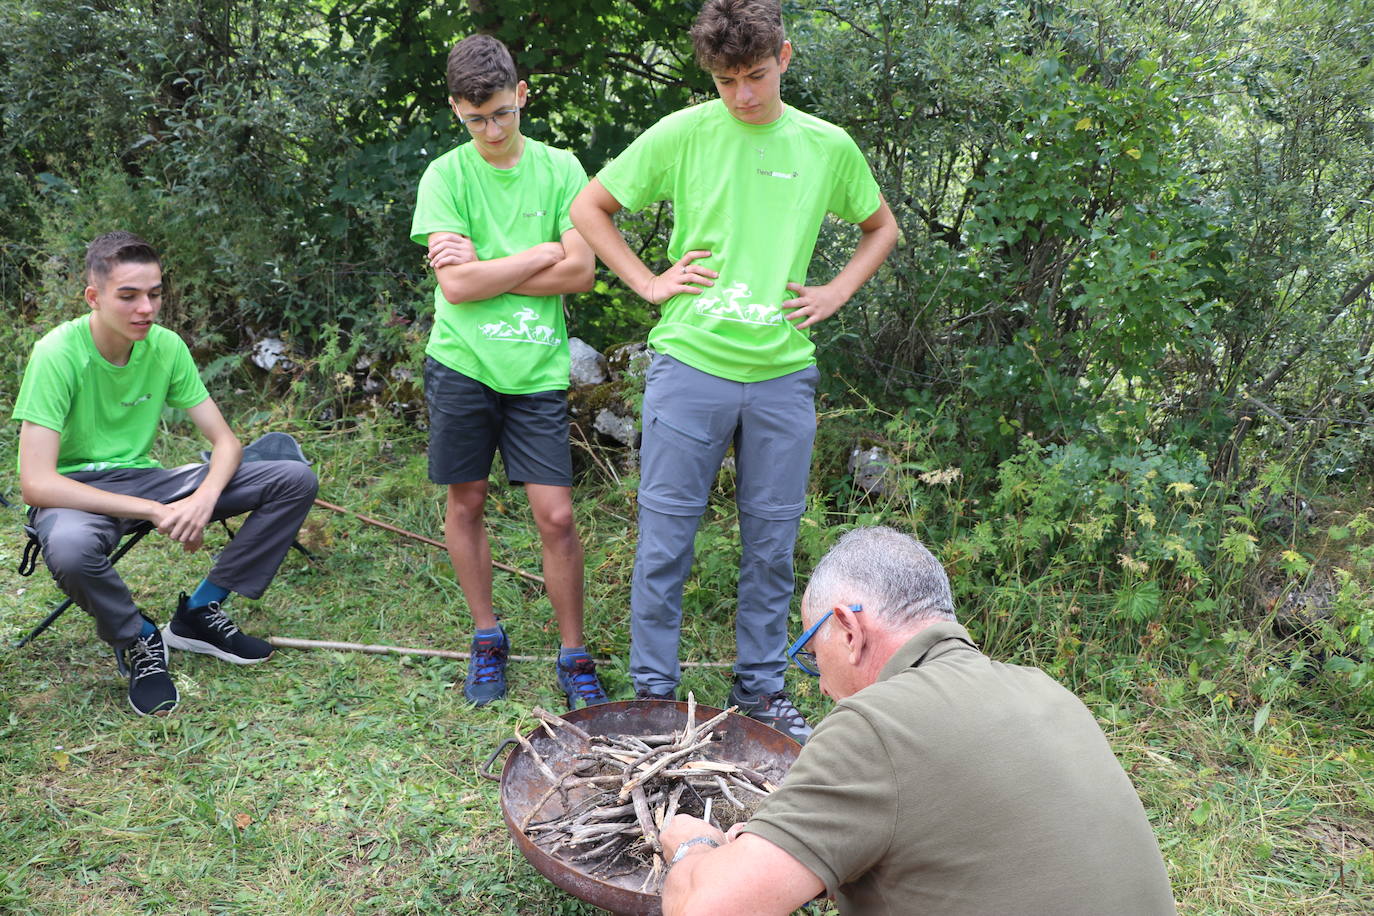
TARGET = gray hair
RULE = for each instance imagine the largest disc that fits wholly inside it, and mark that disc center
(892, 574)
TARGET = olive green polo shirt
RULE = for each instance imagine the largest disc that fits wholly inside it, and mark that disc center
(959, 785)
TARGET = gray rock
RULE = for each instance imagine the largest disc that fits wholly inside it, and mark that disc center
(588, 366)
(621, 429)
(630, 360)
(873, 470)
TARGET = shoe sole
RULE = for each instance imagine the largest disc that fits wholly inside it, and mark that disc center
(583, 703)
(176, 694)
(186, 644)
(483, 701)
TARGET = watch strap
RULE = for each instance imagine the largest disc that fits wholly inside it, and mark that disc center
(688, 844)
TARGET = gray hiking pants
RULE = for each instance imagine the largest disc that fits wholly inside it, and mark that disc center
(76, 544)
(690, 417)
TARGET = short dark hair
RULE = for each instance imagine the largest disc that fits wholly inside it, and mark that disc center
(729, 34)
(479, 66)
(112, 248)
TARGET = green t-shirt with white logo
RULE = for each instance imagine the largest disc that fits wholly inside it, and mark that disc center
(754, 195)
(514, 344)
(107, 414)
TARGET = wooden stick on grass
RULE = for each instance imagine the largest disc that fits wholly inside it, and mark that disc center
(419, 537)
(289, 642)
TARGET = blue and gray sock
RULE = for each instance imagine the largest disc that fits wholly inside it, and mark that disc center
(489, 635)
(205, 593)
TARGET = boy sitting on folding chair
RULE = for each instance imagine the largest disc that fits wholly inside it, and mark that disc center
(90, 404)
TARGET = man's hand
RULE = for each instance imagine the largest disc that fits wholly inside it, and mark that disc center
(725, 882)
(813, 304)
(551, 250)
(184, 521)
(682, 827)
(449, 249)
(679, 278)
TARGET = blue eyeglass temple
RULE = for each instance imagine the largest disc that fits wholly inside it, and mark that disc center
(796, 648)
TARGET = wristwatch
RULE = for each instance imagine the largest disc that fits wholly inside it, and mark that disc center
(688, 844)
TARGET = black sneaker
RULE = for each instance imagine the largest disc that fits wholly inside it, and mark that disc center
(772, 709)
(486, 680)
(144, 663)
(644, 693)
(579, 683)
(209, 631)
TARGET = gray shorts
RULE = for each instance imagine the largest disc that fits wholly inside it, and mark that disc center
(469, 421)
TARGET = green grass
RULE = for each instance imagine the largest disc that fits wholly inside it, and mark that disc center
(326, 782)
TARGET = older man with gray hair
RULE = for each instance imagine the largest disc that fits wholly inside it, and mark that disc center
(941, 782)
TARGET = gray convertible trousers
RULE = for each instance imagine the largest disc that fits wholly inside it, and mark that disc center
(76, 544)
(689, 419)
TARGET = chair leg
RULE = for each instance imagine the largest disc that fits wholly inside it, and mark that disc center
(295, 543)
(47, 622)
(129, 542)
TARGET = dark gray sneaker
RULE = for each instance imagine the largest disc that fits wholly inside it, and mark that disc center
(144, 663)
(644, 693)
(209, 631)
(772, 709)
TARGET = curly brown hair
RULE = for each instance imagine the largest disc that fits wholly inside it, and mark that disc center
(729, 34)
(479, 66)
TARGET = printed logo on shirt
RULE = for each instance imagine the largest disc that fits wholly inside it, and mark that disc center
(532, 214)
(766, 173)
(522, 331)
(728, 306)
(135, 403)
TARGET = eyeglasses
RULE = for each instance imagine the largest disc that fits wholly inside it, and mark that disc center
(804, 659)
(503, 117)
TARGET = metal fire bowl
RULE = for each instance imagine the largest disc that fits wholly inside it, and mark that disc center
(742, 741)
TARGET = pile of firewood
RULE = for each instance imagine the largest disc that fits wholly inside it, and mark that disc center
(617, 791)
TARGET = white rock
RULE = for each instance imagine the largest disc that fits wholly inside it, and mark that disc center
(271, 353)
(588, 367)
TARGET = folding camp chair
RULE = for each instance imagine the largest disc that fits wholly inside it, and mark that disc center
(29, 562)
(270, 447)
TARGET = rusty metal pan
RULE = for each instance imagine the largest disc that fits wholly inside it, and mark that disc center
(742, 740)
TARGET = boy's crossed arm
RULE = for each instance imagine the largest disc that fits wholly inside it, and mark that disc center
(547, 269)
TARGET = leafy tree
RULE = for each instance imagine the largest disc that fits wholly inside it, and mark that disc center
(1118, 217)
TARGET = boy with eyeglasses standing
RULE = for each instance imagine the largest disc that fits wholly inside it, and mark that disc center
(494, 215)
(751, 180)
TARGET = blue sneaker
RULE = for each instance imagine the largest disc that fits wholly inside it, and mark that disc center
(486, 680)
(579, 683)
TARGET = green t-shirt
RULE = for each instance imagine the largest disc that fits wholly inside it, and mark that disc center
(754, 196)
(961, 786)
(107, 414)
(514, 344)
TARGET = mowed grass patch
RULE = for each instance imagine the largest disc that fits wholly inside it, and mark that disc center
(330, 782)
